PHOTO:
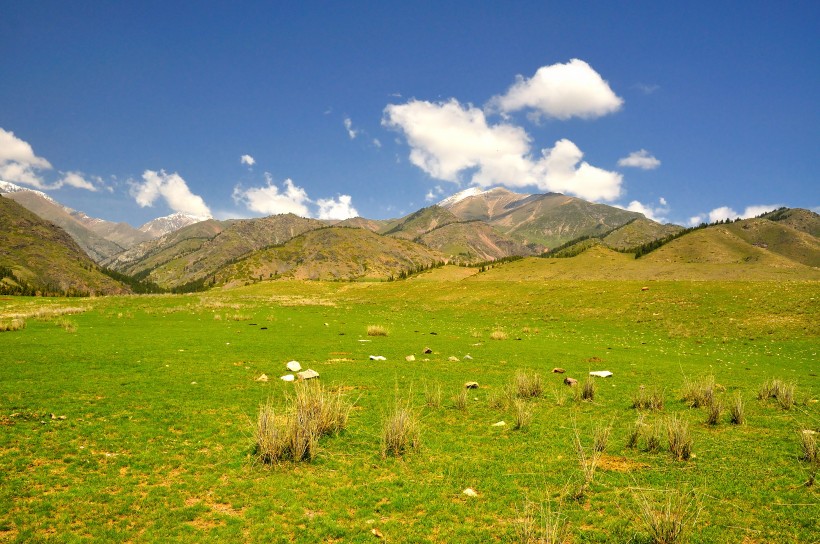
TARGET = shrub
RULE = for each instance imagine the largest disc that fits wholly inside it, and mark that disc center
(670, 519)
(588, 463)
(680, 442)
(376, 330)
(782, 391)
(559, 394)
(648, 399)
(697, 393)
(66, 324)
(543, 524)
(653, 436)
(269, 436)
(523, 414)
(400, 432)
(527, 386)
(600, 437)
(810, 454)
(636, 432)
(588, 389)
(737, 410)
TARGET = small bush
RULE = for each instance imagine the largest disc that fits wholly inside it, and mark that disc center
(808, 444)
(737, 410)
(66, 324)
(648, 399)
(700, 392)
(785, 395)
(376, 330)
(14, 324)
(653, 436)
(670, 519)
(432, 395)
(588, 389)
(269, 436)
(523, 414)
(588, 463)
(680, 441)
(714, 411)
(498, 335)
(636, 432)
(600, 437)
(560, 395)
(527, 386)
(543, 524)
(401, 432)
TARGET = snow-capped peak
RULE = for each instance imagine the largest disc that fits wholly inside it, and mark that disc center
(466, 193)
(165, 225)
(8, 187)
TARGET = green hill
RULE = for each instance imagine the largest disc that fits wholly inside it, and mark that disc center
(797, 218)
(779, 237)
(39, 257)
(638, 232)
(472, 242)
(332, 253)
(416, 224)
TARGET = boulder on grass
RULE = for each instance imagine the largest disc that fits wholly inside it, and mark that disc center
(558, 370)
(294, 366)
(570, 381)
(262, 378)
(601, 373)
(471, 385)
(308, 374)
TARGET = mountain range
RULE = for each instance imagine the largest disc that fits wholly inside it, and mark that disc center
(184, 252)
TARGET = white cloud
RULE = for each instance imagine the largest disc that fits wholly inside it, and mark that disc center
(725, 212)
(695, 220)
(642, 159)
(248, 160)
(77, 179)
(434, 193)
(349, 127)
(270, 200)
(561, 91)
(647, 88)
(340, 209)
(655, 213)
(448, 140)
(172, 188)
(19, 164)
(377, 143)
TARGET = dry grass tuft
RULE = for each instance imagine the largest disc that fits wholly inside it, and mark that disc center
(460, 400)
(777, 389)
(498, 335)
(648, 399)
(542, 524)
(714, 410)
(14, 324)
(600, 437)
(668, 519)
(527, 386)
(376, 330)
(432, 395)
(587, 462)
(680, 441)
(588, 389)
(312, 412)
(401, 432)
(522, 414)
(66, 324)
(737, 410)
(699, 392)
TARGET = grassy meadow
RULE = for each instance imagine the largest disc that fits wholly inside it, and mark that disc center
(131, 419)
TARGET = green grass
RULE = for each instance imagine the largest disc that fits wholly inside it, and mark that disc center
(160, 404)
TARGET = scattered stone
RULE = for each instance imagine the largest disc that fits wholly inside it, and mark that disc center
(434, 333)
(410, 358)
(428, 350)
(377, 533)
(262, 378)
(471, 385)
(364, 340)
(601, 373)
(452, 359)
(468, 358)
(570, 381)
(193, 383)
(558, 370)
(499, 424)
(263, 328)
(327, 325)
(288, 378)
(644, 288)
(308, 374)
(294, 366)
(470, 492)
(378, 358)
(58, 417)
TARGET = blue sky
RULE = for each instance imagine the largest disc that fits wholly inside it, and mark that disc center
(132, 110)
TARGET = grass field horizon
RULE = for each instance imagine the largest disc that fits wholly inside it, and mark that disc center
(154, 400)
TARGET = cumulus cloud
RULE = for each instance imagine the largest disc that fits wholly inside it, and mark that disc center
(642, 159)
(560, 91)
(655, 213)
(19, 164)
(349, 127)
(338, 209)
(270, 200)
(171, 188)
(78, 180)
(725, 212)
(247, 160)
(434, 193)
(449, 140)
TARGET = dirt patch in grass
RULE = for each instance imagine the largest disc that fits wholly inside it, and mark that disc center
(619, 464)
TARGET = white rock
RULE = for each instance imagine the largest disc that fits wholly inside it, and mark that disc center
(468, 358)
(410, 358)
(470, 492)
(601, 373)
(499, 424)
(452, 359)
(262, 378)
(288, 378)
(294, 366)
(378, 358)
(308, 374)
